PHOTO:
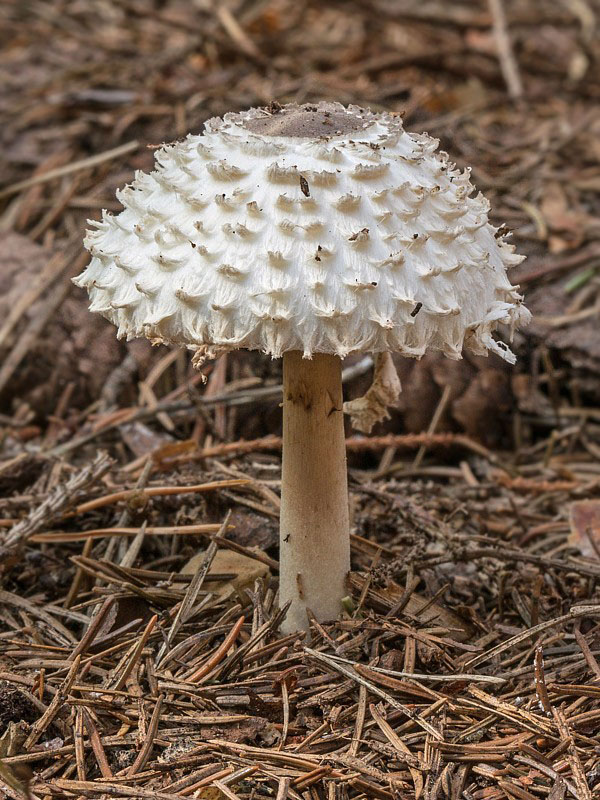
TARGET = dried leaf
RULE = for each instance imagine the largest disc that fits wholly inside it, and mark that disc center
(141, 439)
(584, 521)
(562, 218)
(246, 571)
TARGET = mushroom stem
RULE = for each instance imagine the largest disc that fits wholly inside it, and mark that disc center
(315, 528)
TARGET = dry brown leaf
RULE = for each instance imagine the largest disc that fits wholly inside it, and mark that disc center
(246, 571)
(584, 521)
(566, 221)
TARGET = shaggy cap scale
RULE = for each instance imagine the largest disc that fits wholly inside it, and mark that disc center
(321, 228)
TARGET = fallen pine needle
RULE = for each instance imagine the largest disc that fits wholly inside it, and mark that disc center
(219, 653)
(156, 491)
(99, 533)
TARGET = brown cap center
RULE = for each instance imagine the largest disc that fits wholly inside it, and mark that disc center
(324, 119)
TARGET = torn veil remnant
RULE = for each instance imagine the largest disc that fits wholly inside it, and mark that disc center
(312, 230)
(372, 407)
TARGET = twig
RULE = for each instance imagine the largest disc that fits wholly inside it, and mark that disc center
(100, 533)
(93, 628)
(540, 681)
(156, 491)
(241, 398)
(67, 169)
(93, 789)
(435, 420)
(97, 747)
(131, 659)
(239, 36)
(508, 64)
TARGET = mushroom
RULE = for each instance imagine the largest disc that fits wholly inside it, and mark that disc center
(309, 232)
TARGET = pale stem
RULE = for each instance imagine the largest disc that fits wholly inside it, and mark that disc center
(315, 529)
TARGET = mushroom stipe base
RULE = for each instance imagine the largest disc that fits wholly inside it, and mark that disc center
(315, 526)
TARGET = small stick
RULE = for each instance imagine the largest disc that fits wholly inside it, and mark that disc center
(225, 790)
(41, 684)
(134, 548)
(350, 673)
(53, 506)
(577, 770)
(435, 421)
(247, 397)
(67, 169)
(47, 276)
(585, 649)
(309, 778)
(100, 533)
(224, 773)
(237, 33)
(155, 491)
(10, 599)
(37, 324)
(359, 722)
(508, 63)
(246, 551)
(192, 779)
(574, 613)
(285, 700)
(390, 734)
(283, 788)
(93, 789)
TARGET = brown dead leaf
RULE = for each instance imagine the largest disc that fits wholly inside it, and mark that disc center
(584, 521)
(141, 439)
(246, 570)
(566, 221)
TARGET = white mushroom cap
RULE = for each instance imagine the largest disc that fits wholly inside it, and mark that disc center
(320, 228)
